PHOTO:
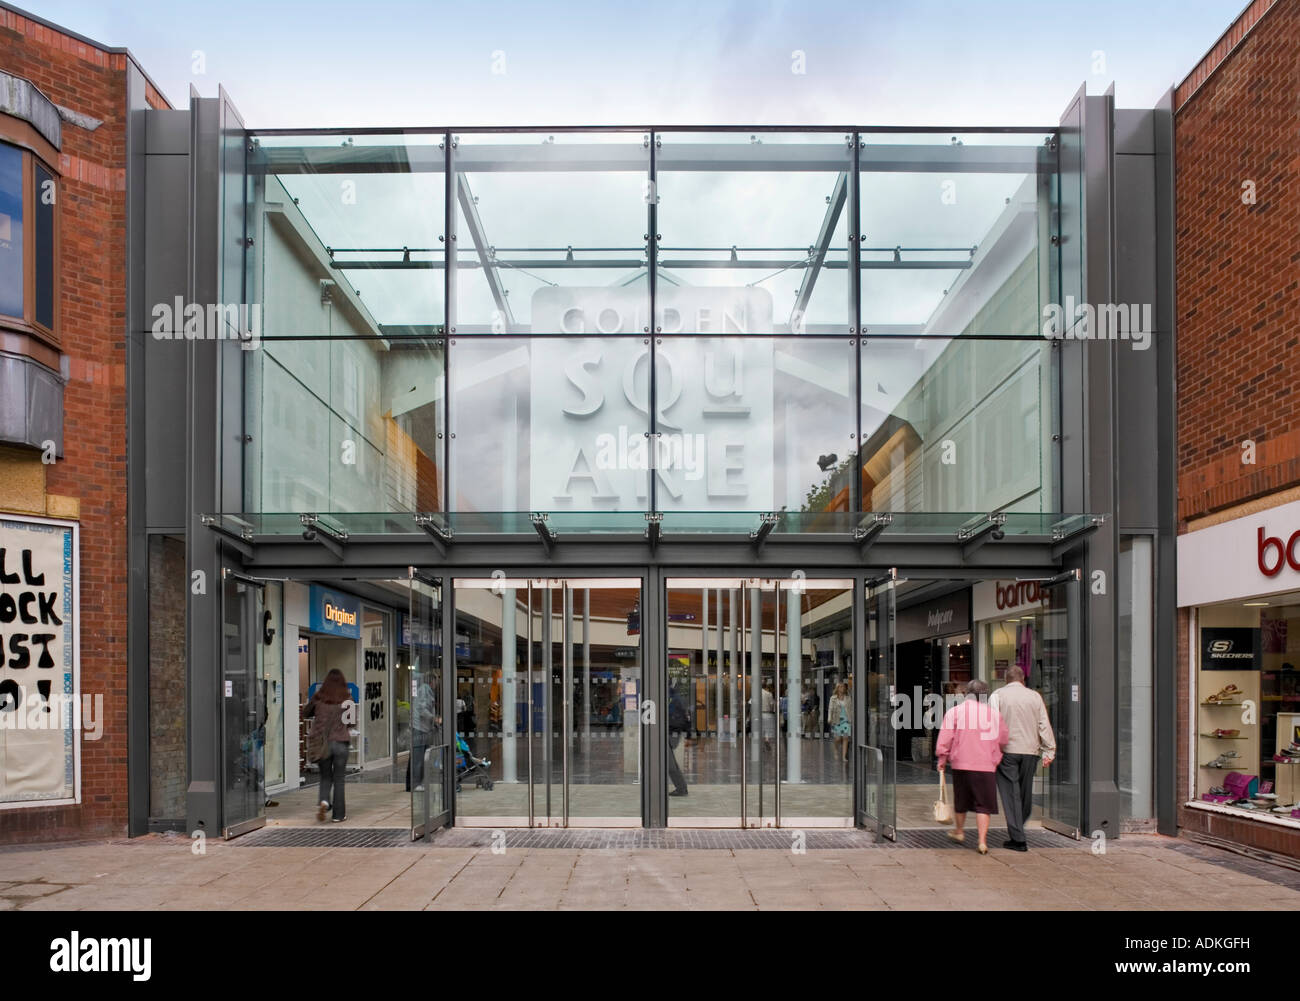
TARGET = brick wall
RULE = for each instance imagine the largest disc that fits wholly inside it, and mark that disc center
(167, 716)
(1238, 266)
(1238, 275)
(92, 473)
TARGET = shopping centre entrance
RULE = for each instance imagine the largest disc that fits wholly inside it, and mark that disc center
(680, 701)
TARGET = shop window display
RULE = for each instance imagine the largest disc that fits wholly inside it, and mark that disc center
(1248, 707)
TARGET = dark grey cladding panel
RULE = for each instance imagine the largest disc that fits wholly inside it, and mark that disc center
(167, 132)
(31, 404)
(1137, 440)
(1135, 132)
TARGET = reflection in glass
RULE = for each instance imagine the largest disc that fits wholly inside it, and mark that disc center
(956, 425)
(243, 712)
(430, 735)
(550, 231)
(753, 233)
(365, 211)
(345, 425)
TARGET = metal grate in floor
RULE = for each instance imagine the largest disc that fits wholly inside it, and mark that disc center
(938, 838)
(327, 837)
(671, 838)
(619, 840)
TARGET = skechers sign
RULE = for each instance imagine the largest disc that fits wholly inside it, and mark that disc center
(335, 614)
(1230, 649)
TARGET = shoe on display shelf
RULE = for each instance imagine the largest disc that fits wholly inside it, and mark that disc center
(1227, 693)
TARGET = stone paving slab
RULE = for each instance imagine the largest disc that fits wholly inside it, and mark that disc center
(1145, 872)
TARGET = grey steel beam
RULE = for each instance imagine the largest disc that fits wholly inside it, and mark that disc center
(439, 534)
(1065, 541)
(316, 531)
(654, 671)
(289, 554)
(978, 531)
(765, 526)
(485, 254)
(544, 531)
(682, 263)
(1165, 638)
(203, 557)
(242, 543)
(834, 208)
(677, 155)
(866, 534)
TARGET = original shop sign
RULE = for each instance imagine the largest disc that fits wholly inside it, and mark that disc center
(39, 749)
(335, 614)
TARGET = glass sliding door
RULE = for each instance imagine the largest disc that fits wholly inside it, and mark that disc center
(548, 681)
(875, 745)
(431, 729)
(602, 631)
(243, 708)
(1061, 682)
(752, 667)
(709, 694)
(815, 748)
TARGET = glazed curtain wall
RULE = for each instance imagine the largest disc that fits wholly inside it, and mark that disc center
(635, 321)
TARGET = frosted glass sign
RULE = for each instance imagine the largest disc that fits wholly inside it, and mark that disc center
(591, 406)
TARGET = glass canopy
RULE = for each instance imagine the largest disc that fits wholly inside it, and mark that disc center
(698, 323)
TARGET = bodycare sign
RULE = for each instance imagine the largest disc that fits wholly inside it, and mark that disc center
(38, 662)
(1254, 555)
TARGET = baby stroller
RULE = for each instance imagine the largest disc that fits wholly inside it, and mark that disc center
(468, 766)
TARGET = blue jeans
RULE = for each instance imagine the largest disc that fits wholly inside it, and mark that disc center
(333, 769)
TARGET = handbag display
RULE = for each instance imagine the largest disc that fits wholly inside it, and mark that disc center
(942, 808)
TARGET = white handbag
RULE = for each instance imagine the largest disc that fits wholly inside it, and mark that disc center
(942, 808)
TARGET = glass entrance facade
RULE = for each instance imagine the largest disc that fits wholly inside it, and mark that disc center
(472, 354)
(635, 322)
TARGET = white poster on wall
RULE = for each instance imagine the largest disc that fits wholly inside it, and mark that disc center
(38, 662)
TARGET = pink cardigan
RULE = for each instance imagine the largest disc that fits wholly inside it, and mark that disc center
(972, 737)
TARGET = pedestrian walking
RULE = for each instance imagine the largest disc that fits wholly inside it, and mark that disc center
(330, 740)
(1031, 738)
(679, 723)
(839, 716)
(971, 739)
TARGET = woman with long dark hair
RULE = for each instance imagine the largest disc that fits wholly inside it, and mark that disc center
(330, 740)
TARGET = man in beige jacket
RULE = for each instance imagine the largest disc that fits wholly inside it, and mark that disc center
(1031, 736)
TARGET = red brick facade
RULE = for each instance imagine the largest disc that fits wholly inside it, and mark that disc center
(1238, 289)
(1238, 268)
(93, 290)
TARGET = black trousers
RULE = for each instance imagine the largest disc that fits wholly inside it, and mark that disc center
(420, 741)
(333, 773)
(1016, 786)
(674, 769)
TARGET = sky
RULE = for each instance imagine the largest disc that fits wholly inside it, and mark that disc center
(671, 62)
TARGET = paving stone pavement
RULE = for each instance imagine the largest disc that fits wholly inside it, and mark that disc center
(1143, 872)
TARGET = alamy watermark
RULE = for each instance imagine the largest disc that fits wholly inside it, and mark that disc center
(631, 449)
(43, 710)
(215, 321)
(1113, 321)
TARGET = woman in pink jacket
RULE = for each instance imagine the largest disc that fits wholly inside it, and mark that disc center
(971, 738)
